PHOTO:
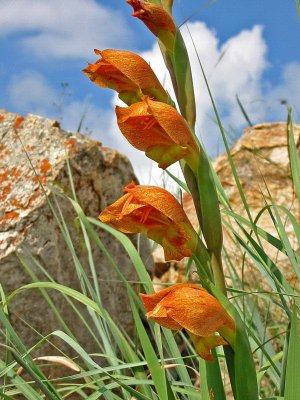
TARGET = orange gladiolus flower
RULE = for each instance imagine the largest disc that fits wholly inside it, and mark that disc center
(159, 130)
(191, 307)
(156, 213)
(157, 19)
(127, 73)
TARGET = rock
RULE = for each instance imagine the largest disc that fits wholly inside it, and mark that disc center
(261, 160)
(35, 152)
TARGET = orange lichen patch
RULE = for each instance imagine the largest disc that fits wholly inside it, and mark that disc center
(45, 166)
(41, 180)
(34, 197)
(7, 189)
(8, 180)
(10, 215)
(1, 117)
(3, 176)
(10, 175)
(15, 202)
(70, 142)
(3, 152)
(18, 121)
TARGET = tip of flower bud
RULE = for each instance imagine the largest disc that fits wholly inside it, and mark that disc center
(133, 2)
(98, 52)
(129, 187)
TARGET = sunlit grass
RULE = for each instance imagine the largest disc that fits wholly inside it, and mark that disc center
(156, 363)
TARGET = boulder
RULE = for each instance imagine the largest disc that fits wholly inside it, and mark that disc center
(34, 158)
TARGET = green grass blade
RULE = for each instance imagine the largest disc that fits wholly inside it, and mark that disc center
(243, 377)
(61, 288)
(204, 384)
(23, 358)
(157, 372)
(246, 116)
(214, 378)
(171, 345)
(292, 381)
(132, 252)
(83, 354)
(180, 183)
(293, 155)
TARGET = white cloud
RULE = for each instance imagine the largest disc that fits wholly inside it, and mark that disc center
(68, 28)
(287, 92)
(30, 91)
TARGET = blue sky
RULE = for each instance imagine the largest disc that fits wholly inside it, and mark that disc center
(249, 48)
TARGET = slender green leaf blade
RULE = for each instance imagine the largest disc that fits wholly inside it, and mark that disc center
(292, 381)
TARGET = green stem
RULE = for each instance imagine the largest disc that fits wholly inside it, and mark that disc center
(201, 253)
(215, 256)
(216, 263)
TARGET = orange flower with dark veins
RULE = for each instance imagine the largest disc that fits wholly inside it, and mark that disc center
(156, 213)
(127, 73)
(191, 307)
(159, 130)
(157, 20)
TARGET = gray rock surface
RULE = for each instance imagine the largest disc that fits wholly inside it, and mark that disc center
(28, 228)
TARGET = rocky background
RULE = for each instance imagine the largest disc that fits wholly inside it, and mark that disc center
(34, 158)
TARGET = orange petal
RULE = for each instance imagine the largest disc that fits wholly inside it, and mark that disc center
(159, 130)
(133, 67)
(125, 71)
(154, 16)
(160, 315)
(175, 242)
(172, 123)
(196, 310)
(140, 128)
(155, 212)
(151, 300)
(160, 199)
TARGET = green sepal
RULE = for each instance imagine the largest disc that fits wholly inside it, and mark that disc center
(131, 97)
(166, 155)
(167, 5)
